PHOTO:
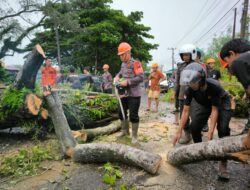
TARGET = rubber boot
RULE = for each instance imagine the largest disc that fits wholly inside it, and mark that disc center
(135, 127)
(125, 129)
(186, 139)
(127, 126)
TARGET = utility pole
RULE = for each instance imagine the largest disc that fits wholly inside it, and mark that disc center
(235, 12)
(244, 23)
(173, 62)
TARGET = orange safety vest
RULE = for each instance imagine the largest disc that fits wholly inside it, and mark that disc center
(48, 76)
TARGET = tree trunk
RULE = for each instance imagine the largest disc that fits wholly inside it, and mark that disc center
(88, 134)
(100, 153)
(211, 150)
(26, 77)
(60, 123)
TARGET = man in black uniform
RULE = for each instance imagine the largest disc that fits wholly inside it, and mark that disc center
(235, 55)
(213, 73)
(214, 102)
(188, 54)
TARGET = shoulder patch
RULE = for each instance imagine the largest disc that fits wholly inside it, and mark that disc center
(138, 68)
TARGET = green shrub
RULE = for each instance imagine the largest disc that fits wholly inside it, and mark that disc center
(11, 101)
(235, 89)
(25, 162)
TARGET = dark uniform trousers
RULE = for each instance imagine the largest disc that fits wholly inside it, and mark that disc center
(199, 116)
(132, 104)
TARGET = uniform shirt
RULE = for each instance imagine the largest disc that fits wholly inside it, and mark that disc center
(106, 81)
(72, 77)
(241, 69)
(48, 76)
(155, 78)
(127, 72)
(214, 74)
(178, 88)
(214, 95)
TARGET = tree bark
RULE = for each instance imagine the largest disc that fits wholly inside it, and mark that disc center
(60, 123)
(211, 150)
(27, 75)
(100, 153)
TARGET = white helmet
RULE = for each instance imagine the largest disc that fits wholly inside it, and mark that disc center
(189, 48)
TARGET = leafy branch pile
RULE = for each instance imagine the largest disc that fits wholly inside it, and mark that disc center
(25, 162)
(111, 174)
(101, 106)
(12, 101)
(81, 111)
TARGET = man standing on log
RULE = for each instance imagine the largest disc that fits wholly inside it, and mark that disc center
(129, 78)
(154, 91)
(213, 101)
(48, 74)
(106, 80)
(235, 55)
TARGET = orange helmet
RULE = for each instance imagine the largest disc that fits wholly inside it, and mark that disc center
(210, 60)
(154, 65)
(223, 63)
(105, 66)
(123, 48)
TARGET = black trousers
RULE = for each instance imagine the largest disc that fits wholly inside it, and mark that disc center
(131, 104)
(200, 117)
(108, 91)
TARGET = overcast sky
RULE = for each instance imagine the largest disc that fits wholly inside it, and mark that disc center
(176, 22)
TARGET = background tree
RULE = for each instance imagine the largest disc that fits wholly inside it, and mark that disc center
(101, 30)
(12, 32)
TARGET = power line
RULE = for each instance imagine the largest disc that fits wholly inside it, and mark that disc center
(190, 29)
(218, 21)
(221, 28)
(212, 22)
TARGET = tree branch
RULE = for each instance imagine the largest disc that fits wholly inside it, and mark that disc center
(12, 45)
(19, 13)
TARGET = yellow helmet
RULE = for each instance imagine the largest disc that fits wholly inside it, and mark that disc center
(210, 60)
(154, 65)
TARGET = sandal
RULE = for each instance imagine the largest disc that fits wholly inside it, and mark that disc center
(223, 176)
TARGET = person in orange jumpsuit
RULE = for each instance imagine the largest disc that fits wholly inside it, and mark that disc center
(48, 75)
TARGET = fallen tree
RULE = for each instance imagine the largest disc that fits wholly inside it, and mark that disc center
(226, 148)
(96, 153)
(23, 94)
(19, 101)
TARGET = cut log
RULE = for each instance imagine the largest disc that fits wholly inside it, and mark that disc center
(33, 104)
(112, 128)
(44, 113)
(26, 77)
(92, 133)
(60, 123)
(100, 153)
(211, 150)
